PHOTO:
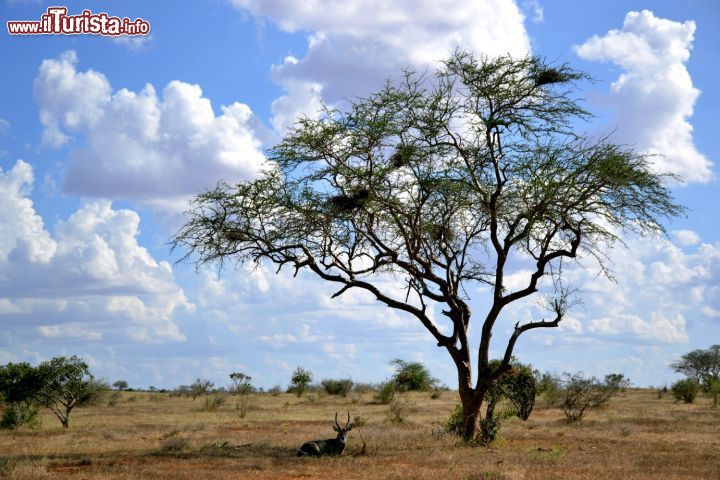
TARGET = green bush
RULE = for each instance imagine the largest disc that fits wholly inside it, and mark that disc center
(20, 414)
(386, 392)
(338, 387)
(454, 423)
(714, 391)
(519, 386)
(685, 390)
(412, 376)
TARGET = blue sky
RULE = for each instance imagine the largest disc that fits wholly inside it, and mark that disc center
(102, 142)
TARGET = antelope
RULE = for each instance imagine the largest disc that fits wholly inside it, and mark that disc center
(331, 446)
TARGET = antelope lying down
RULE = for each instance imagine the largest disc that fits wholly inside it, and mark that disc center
(331, 446)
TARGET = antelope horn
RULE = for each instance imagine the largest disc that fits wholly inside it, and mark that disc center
(336, 422)
(348, 422)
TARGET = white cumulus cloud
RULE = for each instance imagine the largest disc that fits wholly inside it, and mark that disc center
(140, 145)
(355, 45)
(91, 269)
(654, 96)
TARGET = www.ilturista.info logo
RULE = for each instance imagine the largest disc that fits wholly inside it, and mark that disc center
(56, 21)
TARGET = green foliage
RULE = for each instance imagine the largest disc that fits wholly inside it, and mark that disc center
(518, 385)
(59, 384)
(614, 384)
(685, 390)
(714, 391)
(19, 382)
(96, 392)
(300, 380)
(241, 383)
(412, 376)
(701, 365)
(437, 180)
(489, 429)
(580, 393)
(338, 387)
(20, 414)
(455, 421)
(386, 392)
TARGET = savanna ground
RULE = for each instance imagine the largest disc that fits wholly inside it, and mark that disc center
(158, 436)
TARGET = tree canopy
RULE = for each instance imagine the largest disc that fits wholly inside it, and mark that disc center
(60, 384)
(703, 366)
(437, 182)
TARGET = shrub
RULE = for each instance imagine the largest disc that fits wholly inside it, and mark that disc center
(300, 380)
(386, 392)
(685, 390)
(550, 387)
(614, 383)
(578, 395)
(200, 387)
(398, 410)
(96, 392)
(20, 414)
(275, 391)
(338, 387)
(243, 406)
(454, 423)
(213, 403)
(412, 376)
(240, 383)
(714, 391)
(519, 386)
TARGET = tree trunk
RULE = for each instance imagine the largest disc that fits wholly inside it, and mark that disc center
(471, 403)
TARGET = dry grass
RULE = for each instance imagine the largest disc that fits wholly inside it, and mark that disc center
(155, 436)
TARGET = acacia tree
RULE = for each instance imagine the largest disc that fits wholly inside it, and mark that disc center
(438, 182)
(703, 366)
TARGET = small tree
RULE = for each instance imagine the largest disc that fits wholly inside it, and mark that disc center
(120, 385)
(241, 383)
(65, 383)
(700, 365)
(412, 376)
(300, 380)
(200, 387)
(579, 394)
